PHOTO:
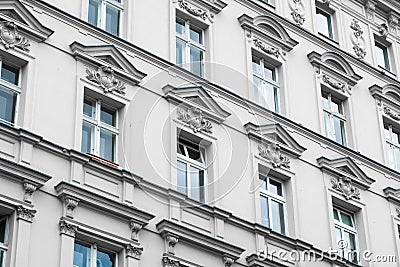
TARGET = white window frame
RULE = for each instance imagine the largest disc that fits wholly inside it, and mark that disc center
(272, 196)
(98, 125)
(185, 38)
(331, 114)
(93, 252)
(191, 162)
(392, 146)
(4, 246)
(344, 227)
(101, 20)
(14, 89)
(265, 80)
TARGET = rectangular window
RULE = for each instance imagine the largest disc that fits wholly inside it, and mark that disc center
(334, 118)
(346, 235)
(105, 14)
(324, 23)
(9, 92)
(3, 239)
(99, 129)
(392, 140)
(92, 256)
(272, 202)
(191, 168)
(266, 85)
(190, 47)
(382, 55)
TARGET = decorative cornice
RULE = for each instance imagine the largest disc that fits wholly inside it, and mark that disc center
(193, 117)
(267, 49)
(272, 152)
(10, 37)
(25, 214)
(391, 113)
(357, 39)
(29, 188)
(105, 78)
(197, 12)
(343, 87)
(345, 187)
(67, 228)
(70, 204)
(133, 251)
(297, 11)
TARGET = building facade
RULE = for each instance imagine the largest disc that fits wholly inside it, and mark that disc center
(199, 133)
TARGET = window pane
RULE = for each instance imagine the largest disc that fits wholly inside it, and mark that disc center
(104, 259)
(391, 155)
(339, 130)
(9, 74)
(196, 59)
(2, 256)
(107, 145)
(180, 27)
(180, 52)
(325, 101)
(181, 149)
(335, 214)
(264, 211)
(112, 20)
(8, 101)
(387, 132)
(382, 56)
(268, 96)
(81, 255)
(108, 116)
(87, 138)
(346, 219)
(263, 182)
(256, 66)
(269, 73)
(335, 106)
(182, 177)
(338, 234)
(94, 8)
(275, 187)
(395, 137)
(351, 246)
(196, 35)
(89, 108)
(197, 184)
(324, 25)
(397, 158)
(3, 224)
(194, 154)
(278, 219)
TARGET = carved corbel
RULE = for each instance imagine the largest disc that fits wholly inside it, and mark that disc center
(170, 242)
(29, 188)
(370, 9)
(133, 251)
(25, 214)
(169, 262)
(70, 203)
(135, 228)
(228, 261)
(393, 21)
(67, 228)
(383, 30)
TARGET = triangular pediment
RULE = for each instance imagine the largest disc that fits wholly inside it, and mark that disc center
(197, 97)
(275, 133)
(15, 12)
(108, 56)
(346, 167)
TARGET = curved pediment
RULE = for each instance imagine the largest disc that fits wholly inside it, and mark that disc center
(268, 29)
(389, 94)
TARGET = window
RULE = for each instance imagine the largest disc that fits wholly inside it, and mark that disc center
(392, 138)
(3, 239)
(106, 14)
(99, 129)
(190, 47)
(92, 256)
(382, 55)
(266, 86)
(324, 23)
(346, 235)
(9, 91)
(272, 202)
(191, 168)
(334, 118)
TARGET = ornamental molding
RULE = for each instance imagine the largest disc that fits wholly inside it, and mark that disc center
(133, 251)
(170, 243)
(393, 22)
(297, 11)
(344, 186)
(267, 49)
(272, 153)
(357, 39)
(29, 188)
(398, 212)
(67, 228)
(195, 11)
(25, 214)
(391, 113)
(70, 203)
(105, 78)
(10, 37)
(228, 261)
(335, 84)
(370, 9)
(135, 228)
(383, 30)
(193, 118)
(170, 262)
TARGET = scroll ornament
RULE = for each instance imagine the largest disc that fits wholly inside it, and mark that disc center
(272, 153)
(10, 37)
(357, 39)
(105, 78)
(194, 118)
(344, 186)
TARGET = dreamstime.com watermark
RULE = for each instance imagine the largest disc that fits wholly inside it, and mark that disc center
(330, 254)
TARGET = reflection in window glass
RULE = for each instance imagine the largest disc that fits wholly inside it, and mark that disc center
(9, 74)
(324, 23)
(112, 20)
(8, 101)
(382, 56)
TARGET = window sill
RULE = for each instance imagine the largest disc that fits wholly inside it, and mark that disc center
(327, 38)
(385, 71)
(103, 160)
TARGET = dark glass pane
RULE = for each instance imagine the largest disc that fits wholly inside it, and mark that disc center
(112, 20)
(275, 187)
(335, 215)
(108, 116)
(180, 27)
(3, 225)
(8, 101)
(81, 255)
(94, 8)
(9, 74)
(346, 219)
(194, 154)
(105, 259)
(181, 149)
(89, 108)
(1, 257)
(107, 145)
